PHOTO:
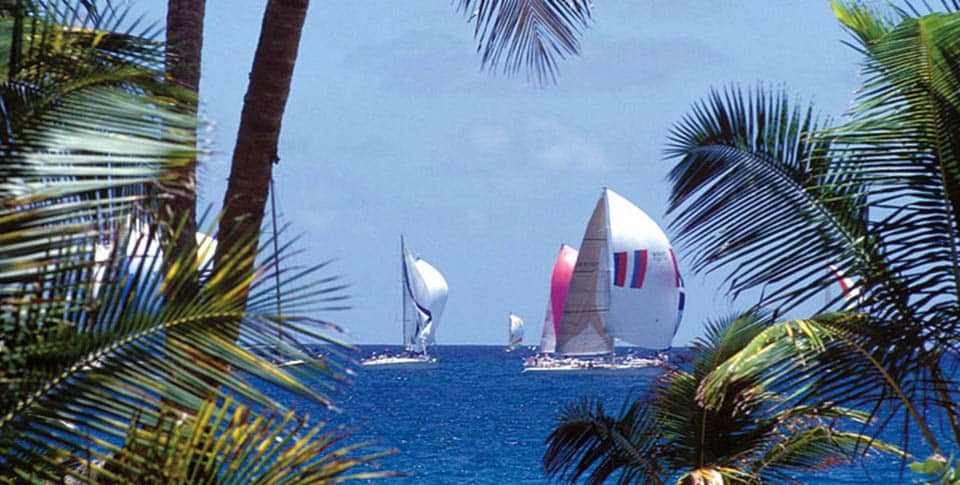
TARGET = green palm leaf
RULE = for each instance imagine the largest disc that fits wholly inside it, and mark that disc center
(754, 191)
(93, 357)
(534, 34)
(752, 426)
(765, 191)
(230, 443)
(589, 442)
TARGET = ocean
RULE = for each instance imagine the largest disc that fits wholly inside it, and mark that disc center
(477, 419)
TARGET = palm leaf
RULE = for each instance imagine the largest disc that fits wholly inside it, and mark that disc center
(751, 426)
(589, 442)
(89, 344)
(229, 443)
(904, 140)
(754, 191)
(532, 34)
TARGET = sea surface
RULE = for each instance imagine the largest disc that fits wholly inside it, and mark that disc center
(477, 419)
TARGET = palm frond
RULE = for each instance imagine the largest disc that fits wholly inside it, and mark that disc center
(88, 343)
(97, 361)
(904, 141)
(589, 442)
(754, 425)
(812, 450)
(231, 443)
(754, 191)
(531, 34)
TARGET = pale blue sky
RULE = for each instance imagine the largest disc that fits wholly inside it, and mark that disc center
(391, 128)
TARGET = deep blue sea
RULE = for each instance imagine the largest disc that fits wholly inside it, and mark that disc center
(476, 419)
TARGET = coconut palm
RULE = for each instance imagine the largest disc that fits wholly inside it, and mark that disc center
(766, 189)
(255, 153)
(184, 45)
(756, 433)
(96, 366)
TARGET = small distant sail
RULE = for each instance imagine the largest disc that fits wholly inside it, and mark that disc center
(516, 332)
(851, 292)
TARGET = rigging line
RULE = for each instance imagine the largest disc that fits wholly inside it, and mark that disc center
(276, 260)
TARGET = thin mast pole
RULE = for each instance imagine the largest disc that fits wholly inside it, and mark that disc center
(276, 263)
(403, 294)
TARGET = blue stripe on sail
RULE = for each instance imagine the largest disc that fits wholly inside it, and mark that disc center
(683, 300)
(639, 268)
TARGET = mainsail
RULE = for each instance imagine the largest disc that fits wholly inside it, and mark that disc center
(559, 284)
(640, 301)
(515, 338)
(424, 296)
(581, 329)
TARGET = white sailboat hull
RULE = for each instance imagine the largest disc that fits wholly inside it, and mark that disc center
(598, 369)
(399, 362)
(630, 365)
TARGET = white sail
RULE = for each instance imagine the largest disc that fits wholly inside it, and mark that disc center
(433, 298)
(548, 339)
(645, 295)
(424, 297)
(581, 330)
(515, 337)
(412, 315)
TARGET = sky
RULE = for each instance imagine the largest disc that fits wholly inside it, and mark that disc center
(392, 128)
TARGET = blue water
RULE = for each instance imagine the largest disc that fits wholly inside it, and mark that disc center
(476, 419)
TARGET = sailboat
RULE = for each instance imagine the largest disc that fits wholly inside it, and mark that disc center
(423, 296)
(625, 285)
(515, 335)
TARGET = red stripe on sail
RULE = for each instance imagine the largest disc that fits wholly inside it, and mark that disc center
(639, 268)
(676, 270)
(620, 268)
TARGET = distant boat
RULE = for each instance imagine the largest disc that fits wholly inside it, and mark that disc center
(423, 296)
(625, 285)
(515, 335)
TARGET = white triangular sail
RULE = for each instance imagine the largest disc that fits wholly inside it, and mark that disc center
(548, 339)
(646, 291)
(581, 330)
(424, 297)
(515, 338)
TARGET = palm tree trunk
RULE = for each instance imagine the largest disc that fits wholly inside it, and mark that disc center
(179, 206)
(256, 148)
(184, 46)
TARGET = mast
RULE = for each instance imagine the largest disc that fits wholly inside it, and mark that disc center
(276, 268)
(403, 282)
